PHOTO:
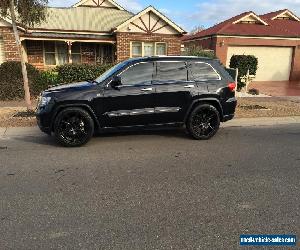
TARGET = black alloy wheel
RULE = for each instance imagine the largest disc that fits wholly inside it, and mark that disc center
(203, 122)
(73, 127)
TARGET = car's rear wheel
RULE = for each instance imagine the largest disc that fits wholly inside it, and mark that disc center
(203, 122)
(73, 127)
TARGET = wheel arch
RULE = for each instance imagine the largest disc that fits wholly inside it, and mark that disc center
(85, 107)
(213, 101)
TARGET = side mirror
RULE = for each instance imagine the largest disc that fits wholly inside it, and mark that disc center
(116, 82)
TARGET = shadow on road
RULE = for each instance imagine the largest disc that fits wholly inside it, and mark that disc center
(38, 139)
(166, 132)
(50, 140)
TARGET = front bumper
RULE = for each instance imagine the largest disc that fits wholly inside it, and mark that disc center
(42, 125)
(44, 118)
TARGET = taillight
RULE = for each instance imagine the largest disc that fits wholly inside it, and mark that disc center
(232, 86)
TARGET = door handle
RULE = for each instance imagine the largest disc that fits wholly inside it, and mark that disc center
(147, 89)
(190, 86)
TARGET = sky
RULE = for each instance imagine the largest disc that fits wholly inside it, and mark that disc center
(194, 13)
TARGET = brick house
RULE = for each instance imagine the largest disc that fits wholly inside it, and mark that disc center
(274, 38)
(92, 31)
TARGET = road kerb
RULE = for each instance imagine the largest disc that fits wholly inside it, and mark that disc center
(262, 121)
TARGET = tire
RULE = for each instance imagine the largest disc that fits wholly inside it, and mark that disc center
(203, 122)
(73, 127)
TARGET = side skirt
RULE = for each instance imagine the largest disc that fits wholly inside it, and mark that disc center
(142, 127)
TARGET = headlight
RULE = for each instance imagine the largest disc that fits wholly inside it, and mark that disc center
(44, 100)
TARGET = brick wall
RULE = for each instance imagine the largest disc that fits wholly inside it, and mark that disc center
(34, 49)
(10, 46)
(124, 39)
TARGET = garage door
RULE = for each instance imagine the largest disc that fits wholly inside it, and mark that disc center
(274, 63)
(2, 55)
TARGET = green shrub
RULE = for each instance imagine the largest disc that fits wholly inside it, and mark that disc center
(11, 81)
(196, 51)
(69, 73)
(48, 78)
(243, 63)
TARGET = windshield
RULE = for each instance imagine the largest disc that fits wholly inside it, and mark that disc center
(111, 71)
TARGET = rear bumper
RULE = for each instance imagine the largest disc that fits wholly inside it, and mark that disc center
(227, 117)
(229, 107)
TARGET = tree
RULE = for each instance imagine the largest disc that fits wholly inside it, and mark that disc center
(199, 51)
(28, 13)
(197, 29)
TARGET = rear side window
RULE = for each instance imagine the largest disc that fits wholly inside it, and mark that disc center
(172, 71)
(141, 73)
(203, 72)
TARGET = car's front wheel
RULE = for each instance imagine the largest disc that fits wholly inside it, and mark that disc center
(73, 127)
(203, 122)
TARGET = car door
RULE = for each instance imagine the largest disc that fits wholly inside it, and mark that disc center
(173, 91)
(131, 103)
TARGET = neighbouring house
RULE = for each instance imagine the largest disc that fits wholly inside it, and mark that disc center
(274, 38)
(92, 31)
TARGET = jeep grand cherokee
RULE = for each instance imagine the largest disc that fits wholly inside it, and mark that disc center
(194, 92)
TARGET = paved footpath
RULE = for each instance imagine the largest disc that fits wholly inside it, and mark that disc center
(240, 122)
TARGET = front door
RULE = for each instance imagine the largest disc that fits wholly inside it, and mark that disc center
(132, 103)
(173, 91)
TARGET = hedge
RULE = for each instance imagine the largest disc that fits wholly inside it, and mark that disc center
(11, 81)
(80, 72)
(196, 51)
(243, 63)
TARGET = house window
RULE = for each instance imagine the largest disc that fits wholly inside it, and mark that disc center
(56, 53)
(140, 49)
(161, 49)
(149, 49)
(49, 48)
(62, 53)
(137, 50)
(104, 53)
(76, 53)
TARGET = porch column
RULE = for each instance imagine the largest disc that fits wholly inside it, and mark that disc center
(70, 51)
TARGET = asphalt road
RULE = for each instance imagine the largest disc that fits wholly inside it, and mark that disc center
(150, 190)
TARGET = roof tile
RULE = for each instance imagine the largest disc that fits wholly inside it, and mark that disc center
(278, 28)
(84, 19)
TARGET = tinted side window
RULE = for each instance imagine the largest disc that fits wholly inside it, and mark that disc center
(172, 71)
(203, 72)
(141, 73)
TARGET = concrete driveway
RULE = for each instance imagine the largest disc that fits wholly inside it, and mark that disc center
(281, 88)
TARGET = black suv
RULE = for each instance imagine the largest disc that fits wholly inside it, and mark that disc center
(141, 93)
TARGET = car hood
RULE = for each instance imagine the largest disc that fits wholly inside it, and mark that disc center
(71, 87)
